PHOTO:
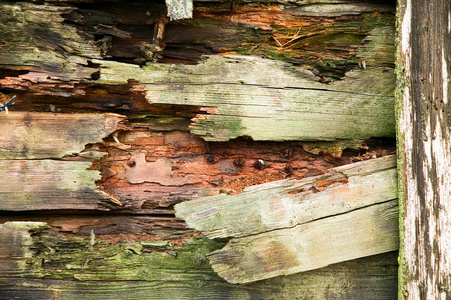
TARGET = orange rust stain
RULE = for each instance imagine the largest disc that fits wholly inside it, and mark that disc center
(321, 185)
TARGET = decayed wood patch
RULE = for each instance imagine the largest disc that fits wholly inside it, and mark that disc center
(34, 263)
(277, 225)
(29, 135)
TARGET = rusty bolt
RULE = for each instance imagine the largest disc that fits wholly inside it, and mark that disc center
(131, 163)
(211, 159)
(260, 164)
(288, 169)
(238, 162)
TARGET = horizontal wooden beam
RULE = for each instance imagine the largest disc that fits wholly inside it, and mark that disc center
(363, 232)
(290, 226)
(289, 202)
(34, 264)
(267, 100)
(30, 135)
(49, 185)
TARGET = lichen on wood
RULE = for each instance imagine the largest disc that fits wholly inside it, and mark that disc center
(270, 100)
(49, 184)
(36, 263)
(275, 226)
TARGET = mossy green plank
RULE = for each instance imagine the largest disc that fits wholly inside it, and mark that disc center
(49, 185)
(268, 100)
(289, 202)
(49, 267)
(30, 135)
(35, 38)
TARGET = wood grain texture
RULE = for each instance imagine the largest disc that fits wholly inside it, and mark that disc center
(359, 233)
(29, 135)
(49, 185)
(278, 228)
(424, 133)
(267, 100)
(38, 266)
(288, 203)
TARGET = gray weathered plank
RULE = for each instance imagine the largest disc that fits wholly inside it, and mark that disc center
(424, 148)
(267, 100)
(34, 265)
(49, 184)
(363, 232)
(47, 135)
(287, 203)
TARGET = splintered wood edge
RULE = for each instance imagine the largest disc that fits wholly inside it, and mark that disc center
(249, 105)
(289, 202)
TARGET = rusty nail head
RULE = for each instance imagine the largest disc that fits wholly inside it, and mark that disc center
(238, 162)
(260, 164)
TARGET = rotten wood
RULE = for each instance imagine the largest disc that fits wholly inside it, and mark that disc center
(288, 203)
(30, 135)
(53, 56)
(269, 101)
(424, 133)
(276, 226)
(36, 264)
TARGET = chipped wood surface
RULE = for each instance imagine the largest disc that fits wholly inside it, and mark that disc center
(53, 56)
(276, 226)
(288, 203)
(36, 264)
(268, 100)
(31, 135)
(424, 133)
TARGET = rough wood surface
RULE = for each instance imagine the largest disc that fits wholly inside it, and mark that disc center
(29, 135)
(276, 225)
(289, 202)
(49, 185)
(52, 56)
(359, 233)
(424, 132)
(36, 265)
(268, 100)
(341, 86)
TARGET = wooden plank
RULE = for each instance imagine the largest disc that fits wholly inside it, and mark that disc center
(424, 132)
(268, 100)
(288, 203)
(47, 135)
(36, 265)
(363, 232)
(49, 185)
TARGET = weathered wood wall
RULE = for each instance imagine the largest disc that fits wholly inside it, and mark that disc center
(424, 112)
(121, 114)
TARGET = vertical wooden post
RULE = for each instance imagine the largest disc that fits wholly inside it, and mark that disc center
(424, 145)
